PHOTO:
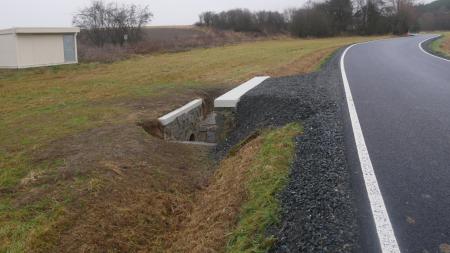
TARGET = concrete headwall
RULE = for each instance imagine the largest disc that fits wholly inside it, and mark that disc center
(225, 106)
(183, 124)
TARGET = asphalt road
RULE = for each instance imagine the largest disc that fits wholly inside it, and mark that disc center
(402, 99)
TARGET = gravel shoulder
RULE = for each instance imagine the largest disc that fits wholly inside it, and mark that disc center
(318, 214)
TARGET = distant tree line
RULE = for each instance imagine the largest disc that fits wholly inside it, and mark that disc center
(434, 16)
(241, 20)
(111, 23)
(335, 17)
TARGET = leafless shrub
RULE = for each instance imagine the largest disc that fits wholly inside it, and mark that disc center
(108, 53)
(199, 38)
(110, 23)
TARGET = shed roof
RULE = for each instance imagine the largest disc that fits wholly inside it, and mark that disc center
(40, 30)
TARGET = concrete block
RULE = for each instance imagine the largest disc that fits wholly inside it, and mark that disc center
(231, 98)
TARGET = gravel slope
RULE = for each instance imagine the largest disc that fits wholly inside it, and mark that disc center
(317, 207)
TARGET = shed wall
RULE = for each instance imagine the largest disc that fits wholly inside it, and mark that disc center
(39, 50)
(8, 51)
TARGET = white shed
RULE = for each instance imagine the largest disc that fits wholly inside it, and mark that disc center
(36, 47)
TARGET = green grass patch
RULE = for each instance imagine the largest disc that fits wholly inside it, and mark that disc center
(441, 46)
(268, 176)
(21, 222)
(436, 45)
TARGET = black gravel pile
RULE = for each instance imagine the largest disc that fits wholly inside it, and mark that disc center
(317, 210)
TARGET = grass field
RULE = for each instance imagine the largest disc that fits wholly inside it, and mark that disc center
(71, 154)
(442, 45)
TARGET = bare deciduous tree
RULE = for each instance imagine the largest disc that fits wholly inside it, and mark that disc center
(111, 23)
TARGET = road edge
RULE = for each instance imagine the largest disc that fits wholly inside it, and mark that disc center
(428, 51)
(385, 232)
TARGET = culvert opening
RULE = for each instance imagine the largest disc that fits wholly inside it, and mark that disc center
(192, 137)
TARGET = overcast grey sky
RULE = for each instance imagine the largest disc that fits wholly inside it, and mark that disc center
(166, 12)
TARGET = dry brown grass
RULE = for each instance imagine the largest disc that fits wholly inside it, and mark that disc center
(301, 66)
(134, 195)
(441, 46)
(216, 210)
(446, 44)
(232, 213)
(121, 192)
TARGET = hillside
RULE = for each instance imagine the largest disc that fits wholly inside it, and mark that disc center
(436, 5)
(160, 39)
(434, 15)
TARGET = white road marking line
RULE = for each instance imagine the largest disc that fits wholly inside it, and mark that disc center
(423, 50)
(383, 225)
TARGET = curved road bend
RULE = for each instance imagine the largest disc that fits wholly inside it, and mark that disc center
(402, 99)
